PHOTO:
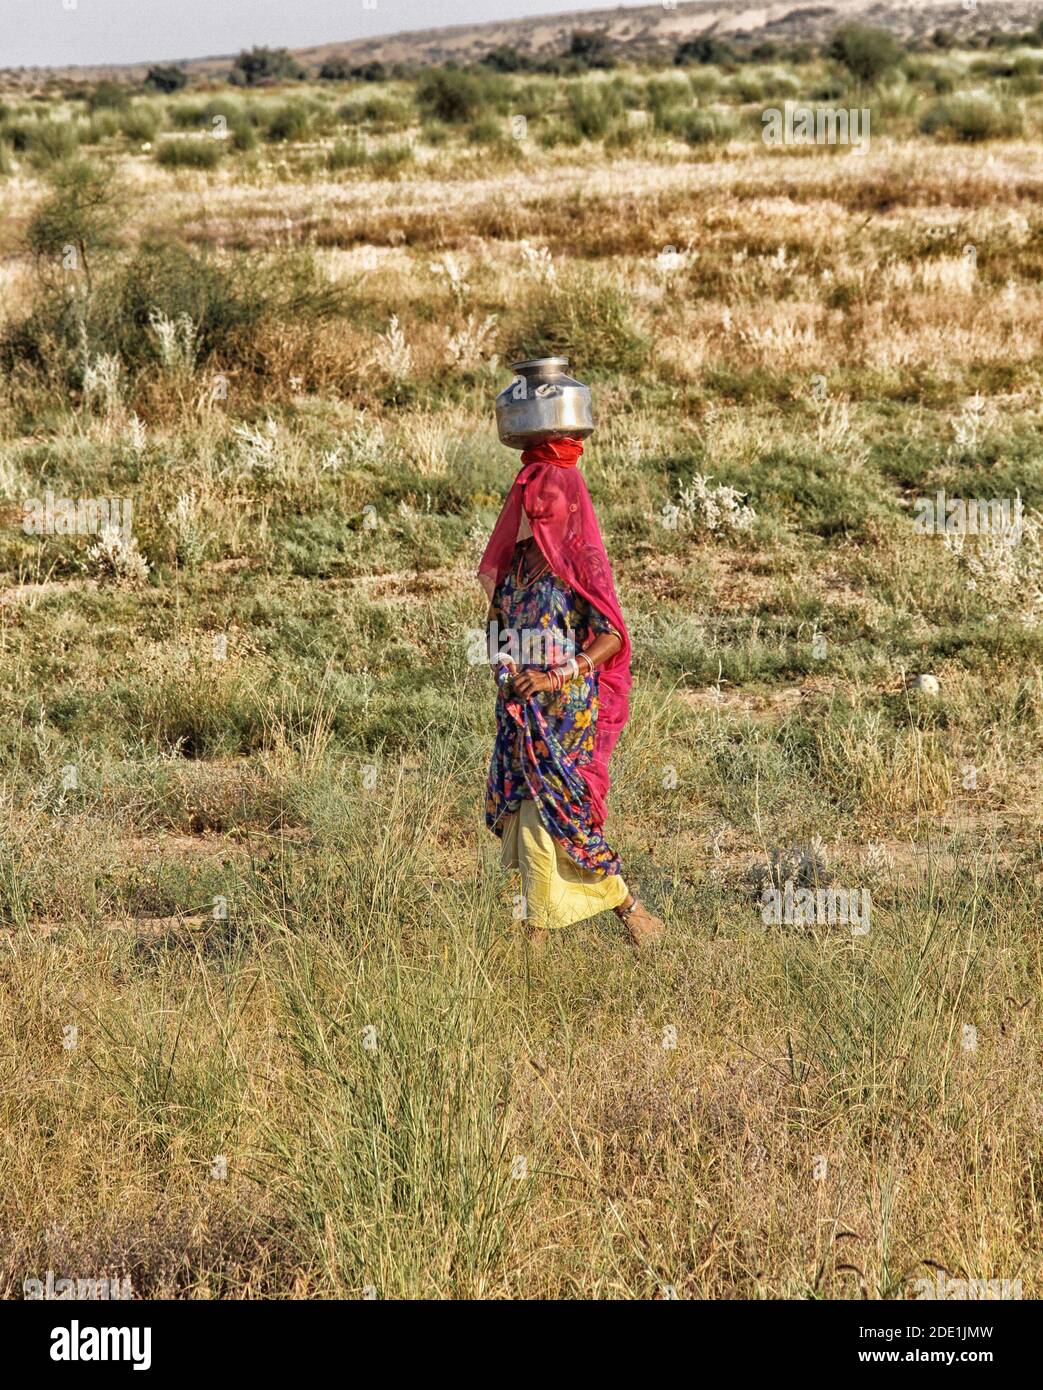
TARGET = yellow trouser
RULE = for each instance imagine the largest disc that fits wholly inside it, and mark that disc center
(557, 891)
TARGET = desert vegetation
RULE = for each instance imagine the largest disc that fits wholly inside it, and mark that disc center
(268, 1029)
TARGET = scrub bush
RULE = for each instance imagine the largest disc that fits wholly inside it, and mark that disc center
(867, 53)
(390, 159)
(49, 142)
(264, 65)
(80, 212)
(586, 315)
(971, 117)
(291, 121)
(166, 78)
(110, 96)
(204, 153)
(379, 113)
(346, 154)
(594, 109)
(140, 123)
(228, 302)
(457, 97)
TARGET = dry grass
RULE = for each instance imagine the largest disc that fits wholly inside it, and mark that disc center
(267, 905)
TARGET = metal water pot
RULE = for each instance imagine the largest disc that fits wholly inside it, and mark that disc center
(543, 403)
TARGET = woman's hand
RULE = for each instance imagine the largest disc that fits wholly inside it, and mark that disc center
(503, 663)
(528, 683)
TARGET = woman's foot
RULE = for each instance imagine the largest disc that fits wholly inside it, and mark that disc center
(644, 929)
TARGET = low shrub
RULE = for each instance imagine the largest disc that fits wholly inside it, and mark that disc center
(229, 304)
(698, 125)
(346, 154)
(104, 125)
(971, 117)
(379, 113)
(457, 97)
(242, 133)
(704, 49)
(391, 159)
(202, 153)
(140, 123)
(111, 96)
(290, 122)
(585, 315)
(866, 52)
(594, 108)
(486, 131)
(187, 115)
(50, 142)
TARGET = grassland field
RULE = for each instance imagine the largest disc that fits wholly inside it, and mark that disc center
(267, 1027)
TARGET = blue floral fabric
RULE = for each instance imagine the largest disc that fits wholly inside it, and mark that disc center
(543, 742)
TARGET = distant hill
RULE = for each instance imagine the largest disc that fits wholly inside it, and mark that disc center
(640, 31)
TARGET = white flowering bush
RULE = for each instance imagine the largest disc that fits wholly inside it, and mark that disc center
(393, 354)
(366, 444)
(670, 260)
(257, 446)
(539, 263)
(1005, 567)
(453, 273)
(176, 340)
(472, 343)
(115, 558)
(137, 434)
(970, 426)
(102, 382)
(10, 477)
(185, 520)
(706, 509)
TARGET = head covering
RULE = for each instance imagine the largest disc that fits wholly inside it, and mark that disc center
(550, 491)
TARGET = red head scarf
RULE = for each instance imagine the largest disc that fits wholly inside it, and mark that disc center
(550, 490)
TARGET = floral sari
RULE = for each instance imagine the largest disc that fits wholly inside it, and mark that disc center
(543, 744)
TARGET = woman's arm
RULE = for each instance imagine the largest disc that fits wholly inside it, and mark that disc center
(600, 650)
(496, 658)
(603, 646)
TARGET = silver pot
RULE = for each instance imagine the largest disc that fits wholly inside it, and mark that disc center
(543, 403)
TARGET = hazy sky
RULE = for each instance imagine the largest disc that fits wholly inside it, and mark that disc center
(62, 32)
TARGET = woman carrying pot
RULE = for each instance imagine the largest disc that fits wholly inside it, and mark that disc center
(561, 660)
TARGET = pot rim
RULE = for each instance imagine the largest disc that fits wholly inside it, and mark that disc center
(540, 362)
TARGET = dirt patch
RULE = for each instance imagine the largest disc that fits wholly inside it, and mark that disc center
(772, 704)
(30, 594)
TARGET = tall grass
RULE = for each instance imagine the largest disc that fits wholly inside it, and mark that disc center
(242, 848)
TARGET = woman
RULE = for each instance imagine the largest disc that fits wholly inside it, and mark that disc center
(561, 660)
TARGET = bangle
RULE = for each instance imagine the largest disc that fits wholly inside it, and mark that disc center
(586, 658)
(559, 675)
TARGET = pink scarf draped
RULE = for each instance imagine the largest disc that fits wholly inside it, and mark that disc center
(549, 489)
